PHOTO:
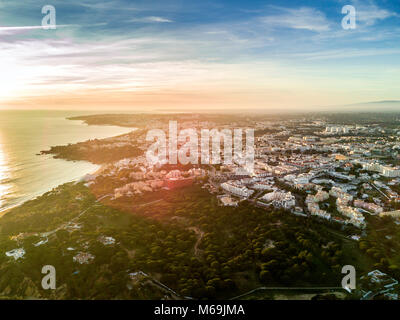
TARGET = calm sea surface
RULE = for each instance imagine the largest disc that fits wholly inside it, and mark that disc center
(23, 134)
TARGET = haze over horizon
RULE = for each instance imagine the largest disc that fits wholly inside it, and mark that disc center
(136, 56)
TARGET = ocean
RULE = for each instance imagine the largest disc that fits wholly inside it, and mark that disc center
(23, 134)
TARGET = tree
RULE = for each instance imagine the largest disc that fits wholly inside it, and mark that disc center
(265, 276)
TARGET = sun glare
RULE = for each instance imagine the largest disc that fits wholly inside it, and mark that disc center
(3, 175)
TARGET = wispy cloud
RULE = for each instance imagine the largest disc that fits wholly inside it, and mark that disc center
(371, 14)
(19, 29)
(342, 54)
(108, 5)
(288, 53)
(302, 18)
(151, 19)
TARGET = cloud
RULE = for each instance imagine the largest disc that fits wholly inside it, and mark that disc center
(303, 18)
(274, 49)
(344, 54)
(371, 14)
(20, 28)
(151, 19)
(110, 5)
(16, 30)
(36, 66)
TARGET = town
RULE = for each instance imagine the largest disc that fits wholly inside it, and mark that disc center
(340, 173)
(337, 173)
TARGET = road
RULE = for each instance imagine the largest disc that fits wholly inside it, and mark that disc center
(200, 235)
(64, 225)
(285, 288)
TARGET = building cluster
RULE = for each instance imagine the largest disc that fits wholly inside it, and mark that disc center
(299, 165)
(384, 170)
(376, 283)
(313, 206)
(148, 179)
(280, 199)
(336, 130)
(137, 188)
(280, 169)
(83, 258)
(342, 204)
(237, 189)
(228, 201)
(370, 207)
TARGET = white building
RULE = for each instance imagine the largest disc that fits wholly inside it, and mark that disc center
(106, 240)
(83, 258)
(386, 171)
(280, 199)
(372, 207)
(240, 191)
(390, 172)
(228, 201)
(336, 129)
(16, 253)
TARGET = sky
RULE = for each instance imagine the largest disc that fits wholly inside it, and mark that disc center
(198, 55)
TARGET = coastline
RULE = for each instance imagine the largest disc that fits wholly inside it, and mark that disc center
(8, 209)
(4, 211)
